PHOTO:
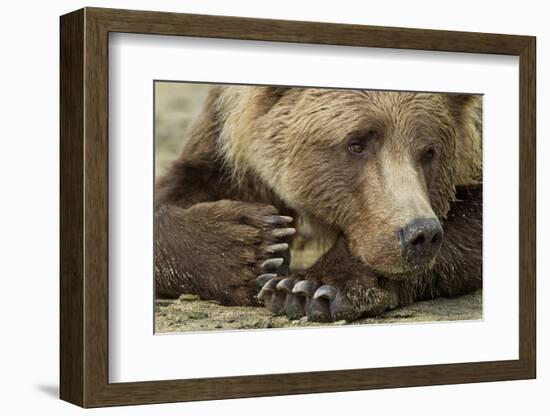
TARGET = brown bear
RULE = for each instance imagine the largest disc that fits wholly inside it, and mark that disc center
(388, 184)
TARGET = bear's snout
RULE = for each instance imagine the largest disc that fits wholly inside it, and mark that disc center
(420, 240)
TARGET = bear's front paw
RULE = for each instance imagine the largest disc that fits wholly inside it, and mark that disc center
(322, 302)
(295, 299)
(230, 244)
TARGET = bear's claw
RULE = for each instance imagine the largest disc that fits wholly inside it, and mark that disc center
(304, 288)
(275, 248)
(283, 232)
(326, 292)
(262, 279)
(272, 264)
(268, 288)
(286, 284)
(274, 299)
(279, 219)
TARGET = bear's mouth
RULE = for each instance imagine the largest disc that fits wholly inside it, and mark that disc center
(408, 273)
(400, 268)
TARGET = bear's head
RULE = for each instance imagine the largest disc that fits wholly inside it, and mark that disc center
(381, 167)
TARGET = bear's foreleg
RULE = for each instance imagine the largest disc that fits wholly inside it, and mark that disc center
(216, 249)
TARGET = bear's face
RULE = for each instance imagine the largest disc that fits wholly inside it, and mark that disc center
(379, 166)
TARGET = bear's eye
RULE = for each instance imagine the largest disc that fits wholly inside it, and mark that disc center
(429, 155)
(360, 144)
(357, 148)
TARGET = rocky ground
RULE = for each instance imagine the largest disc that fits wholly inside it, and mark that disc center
(189, 313)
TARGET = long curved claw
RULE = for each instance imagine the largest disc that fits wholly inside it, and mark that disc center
(295, 306)
(304, 288)
(279, 220)
(318, 310)
(271, 264)
(283, 232)
(277, 248)
(341, 308)
(262, 279)
(268, 288)
(273, 299)
(286, 284)
(325, 292)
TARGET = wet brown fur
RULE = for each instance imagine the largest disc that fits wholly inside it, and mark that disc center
(257, 151)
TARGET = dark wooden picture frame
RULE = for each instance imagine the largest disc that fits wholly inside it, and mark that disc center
(84, 207)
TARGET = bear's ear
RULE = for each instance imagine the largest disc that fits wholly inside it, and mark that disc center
(267, 97)
(460, 104)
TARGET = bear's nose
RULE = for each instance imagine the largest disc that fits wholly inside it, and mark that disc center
(420, 240)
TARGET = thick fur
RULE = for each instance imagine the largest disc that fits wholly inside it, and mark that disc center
(260, 151)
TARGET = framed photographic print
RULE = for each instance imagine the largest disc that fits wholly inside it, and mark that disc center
(263, 207)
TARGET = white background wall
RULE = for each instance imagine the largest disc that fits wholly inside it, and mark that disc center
(29, 158)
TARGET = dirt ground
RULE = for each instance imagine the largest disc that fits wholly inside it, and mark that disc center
(189, 313)
(177, 104)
